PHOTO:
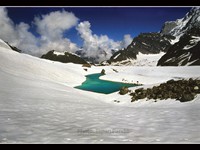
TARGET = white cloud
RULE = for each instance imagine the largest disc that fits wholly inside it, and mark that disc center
(127, 40)
(50, 26)
(7, 28)
(99, 47)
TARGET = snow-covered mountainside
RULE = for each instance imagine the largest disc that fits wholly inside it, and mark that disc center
(4, 44)
(64, 57)
(38, 104)
(145, 43)
(142, 60)
(174, 37)
(180, 26)
(186, 50)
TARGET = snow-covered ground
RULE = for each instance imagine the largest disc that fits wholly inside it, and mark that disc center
(142, 60)
(38, 104)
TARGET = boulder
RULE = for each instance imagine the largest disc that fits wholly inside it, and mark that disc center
(124, 90)
(86, 65)
(138, 90)
(103, 72)
(187, 97)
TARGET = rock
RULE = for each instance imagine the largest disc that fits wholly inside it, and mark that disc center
(180, 90)
(85, 69)
(170, 81)
(141, 96)
(186, 97)
(115, 70)
(123, 90)
(139, 90)
(103, 71)
(133, 99)
(86, 65)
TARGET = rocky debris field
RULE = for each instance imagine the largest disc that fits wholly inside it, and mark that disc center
(181, 90)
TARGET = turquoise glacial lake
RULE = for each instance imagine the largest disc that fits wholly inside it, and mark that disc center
(94, 84)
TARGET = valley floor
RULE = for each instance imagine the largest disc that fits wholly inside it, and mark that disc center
(38, 104)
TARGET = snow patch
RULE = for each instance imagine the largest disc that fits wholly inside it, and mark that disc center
(193, 41)
(59, 53)
(142, 60)
(145, 44)
(189, 63)
(198, 19)
(117, 56)
(176, 39)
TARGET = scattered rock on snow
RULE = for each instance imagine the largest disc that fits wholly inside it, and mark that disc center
(182, 90)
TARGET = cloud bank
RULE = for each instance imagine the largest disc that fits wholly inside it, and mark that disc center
(99, 47)
(51, 28)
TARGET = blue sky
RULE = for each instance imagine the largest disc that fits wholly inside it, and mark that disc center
(94, 30)
(114, 22)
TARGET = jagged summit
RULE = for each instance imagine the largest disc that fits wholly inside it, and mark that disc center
(186, 50)
(180, 26)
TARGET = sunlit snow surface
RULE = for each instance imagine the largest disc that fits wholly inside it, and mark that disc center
(38, 104)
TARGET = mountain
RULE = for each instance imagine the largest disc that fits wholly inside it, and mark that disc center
(186, 48)
(64, 57)
(178, 39)
(144, 43)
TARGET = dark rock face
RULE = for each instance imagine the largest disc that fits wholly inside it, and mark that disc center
(184, 52)
(66, 58)
(146, 43)
(187, 49)
(182, 90)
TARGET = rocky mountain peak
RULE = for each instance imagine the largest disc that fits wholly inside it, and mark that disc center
(180, 26)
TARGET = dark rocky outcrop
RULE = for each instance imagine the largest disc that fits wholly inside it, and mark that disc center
(66, 58)
(182, 90)
(186, 50)
(145, 43)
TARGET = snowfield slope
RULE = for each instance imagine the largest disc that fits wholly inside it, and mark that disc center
(38, 104)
